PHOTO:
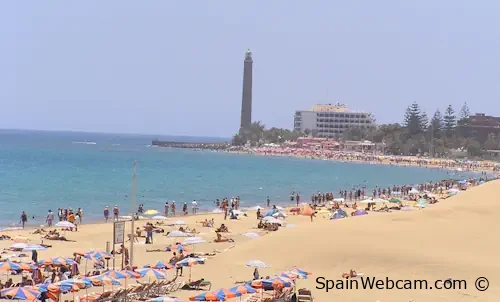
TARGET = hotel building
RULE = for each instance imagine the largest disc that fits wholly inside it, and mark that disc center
(331, 121)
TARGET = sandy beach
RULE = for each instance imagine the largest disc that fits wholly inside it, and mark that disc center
(456, 238)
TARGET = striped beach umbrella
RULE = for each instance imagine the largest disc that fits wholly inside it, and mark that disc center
(277, 282)
(190, 261)
(78, 282)
(98, 255)
(21, 293)
(243, 289)
(160, 265)
(152, 273)
(116, 275)
(9, 266)
(27, 266)
(56, 261)
(103, 280)
(165, 299)
(131, 274)
(299, 271)
(221, 295)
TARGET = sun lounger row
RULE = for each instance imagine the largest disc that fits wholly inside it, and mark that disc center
(136, 292)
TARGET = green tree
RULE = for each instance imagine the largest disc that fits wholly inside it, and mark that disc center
(436, 125)
(464, 112)
(449, 120)
(415, 121)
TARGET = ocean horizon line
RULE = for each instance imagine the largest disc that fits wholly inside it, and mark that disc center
(144, 135)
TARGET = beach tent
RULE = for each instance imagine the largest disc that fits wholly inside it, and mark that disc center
(271, 212)
(339, 214)
(360, 212)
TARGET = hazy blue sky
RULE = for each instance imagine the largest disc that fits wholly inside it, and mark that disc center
(175, 67)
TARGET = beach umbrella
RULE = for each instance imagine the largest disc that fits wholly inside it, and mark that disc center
(177, 234)
(98, 255)
(190, 261)
(9, 266)
(165, 299)
(406, 208)
(217, 211)
(56, 261)
(116, 275)
(131, 274)
(180, 222)
(414, 191)
(251, 235)
(280, 208)
(243, 289)
(339, 199)
(160, 217)
(277, 282)
(257, 263)
(103, 279)
(299, 271)
(160, 265)
(27, 266)
(152, 273)
(151, 212)
(221, 295)
(21, 293)
(65, 224)
(395, 200)
(34, 247)
(193, 240)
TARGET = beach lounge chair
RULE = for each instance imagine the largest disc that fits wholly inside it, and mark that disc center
(304, 295)
(198, 285)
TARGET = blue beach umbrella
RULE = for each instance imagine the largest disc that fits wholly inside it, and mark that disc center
(151, 272)
(20, 293)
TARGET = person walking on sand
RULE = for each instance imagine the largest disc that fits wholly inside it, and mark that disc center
(116, 212)
(173, 208)
(185, 208)
(106, 213)
(24, 218)
(50, 218)
(166, 208)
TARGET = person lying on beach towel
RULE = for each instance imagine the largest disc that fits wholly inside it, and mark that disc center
(5, 237)
(352, 274)
(222, 239)
(39, 231)
(57, 237)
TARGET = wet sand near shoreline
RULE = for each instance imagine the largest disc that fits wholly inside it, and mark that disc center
(456, 238)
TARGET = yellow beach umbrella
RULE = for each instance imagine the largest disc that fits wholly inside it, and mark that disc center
(151, 212)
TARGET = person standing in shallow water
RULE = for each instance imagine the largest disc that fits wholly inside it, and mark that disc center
(24, 218)
(268, 201)
(106, 213)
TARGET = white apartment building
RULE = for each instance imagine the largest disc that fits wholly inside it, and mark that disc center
(331, 121)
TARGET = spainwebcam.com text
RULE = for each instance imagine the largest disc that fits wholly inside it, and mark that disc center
(322, 283)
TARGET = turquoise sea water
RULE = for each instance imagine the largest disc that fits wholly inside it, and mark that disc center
(48, 170)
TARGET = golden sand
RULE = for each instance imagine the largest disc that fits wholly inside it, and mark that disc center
(457, 238)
